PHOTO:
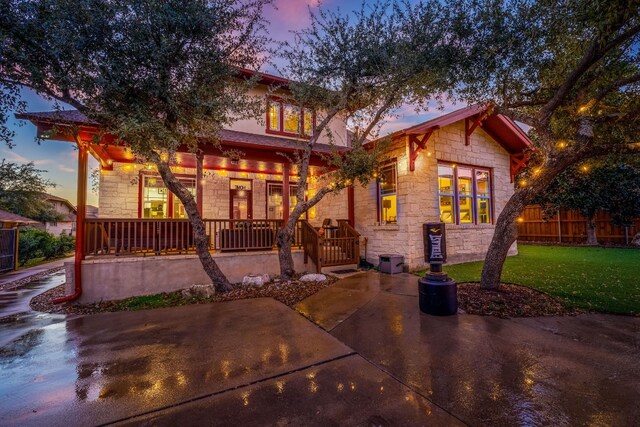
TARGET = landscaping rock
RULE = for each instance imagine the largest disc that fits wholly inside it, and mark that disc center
(636, 240)
(313, 278)
(199, 291)
(255, 280)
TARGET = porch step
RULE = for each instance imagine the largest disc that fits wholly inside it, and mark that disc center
(331, 269)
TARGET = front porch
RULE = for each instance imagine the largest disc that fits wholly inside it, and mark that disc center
(123, 237)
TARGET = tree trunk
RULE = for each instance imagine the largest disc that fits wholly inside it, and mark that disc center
(210, 267)
(592, 239)
(284, 240)
(506, 232)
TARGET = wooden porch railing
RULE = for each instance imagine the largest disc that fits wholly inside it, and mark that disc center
(338, 246)
(169, 236)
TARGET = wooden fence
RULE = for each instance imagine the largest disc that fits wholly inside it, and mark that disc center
(571, 227)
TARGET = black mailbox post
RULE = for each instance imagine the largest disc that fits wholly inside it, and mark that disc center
(438, 293)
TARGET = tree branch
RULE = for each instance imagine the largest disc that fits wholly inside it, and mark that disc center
(596, 51)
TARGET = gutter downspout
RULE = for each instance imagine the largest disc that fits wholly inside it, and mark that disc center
(80, 221)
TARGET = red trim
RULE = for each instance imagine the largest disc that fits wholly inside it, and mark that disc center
(286, 168)
(351, 206)
(81, 212)
(416, 145)
(140, 186)
(199, 178)
(281, 132)
(456, 201)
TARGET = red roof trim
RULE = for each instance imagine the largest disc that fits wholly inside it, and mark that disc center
(518, 141)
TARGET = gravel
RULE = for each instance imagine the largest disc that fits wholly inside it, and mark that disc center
(287, 292)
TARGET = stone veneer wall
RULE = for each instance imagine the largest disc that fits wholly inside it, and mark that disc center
(418, 200)
(119, 191)
(332, 205)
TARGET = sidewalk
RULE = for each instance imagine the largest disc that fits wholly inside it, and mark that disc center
(32, 271)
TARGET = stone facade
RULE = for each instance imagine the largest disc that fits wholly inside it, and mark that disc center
(119, 191)
(417, 194)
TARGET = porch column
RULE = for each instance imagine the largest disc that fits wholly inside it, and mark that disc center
(81, 208)
(286, 169)
(351, 206)
(199, 179)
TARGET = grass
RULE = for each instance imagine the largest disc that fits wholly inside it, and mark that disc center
(592, 278)
(151, 301)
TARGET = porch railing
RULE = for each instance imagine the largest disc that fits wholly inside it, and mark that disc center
(115, 236)
(332, 246)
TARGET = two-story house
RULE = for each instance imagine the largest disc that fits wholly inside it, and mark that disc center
(457, 169)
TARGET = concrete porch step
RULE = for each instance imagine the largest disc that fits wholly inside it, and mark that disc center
(331, 269)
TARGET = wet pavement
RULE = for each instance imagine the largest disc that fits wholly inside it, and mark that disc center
(13, 301)
(23, 273)
(381, 363)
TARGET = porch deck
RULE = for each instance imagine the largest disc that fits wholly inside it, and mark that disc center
(114, 237)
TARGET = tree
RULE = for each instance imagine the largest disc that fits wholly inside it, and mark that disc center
(568, 69)
(156, 75)
(22, 191)
(360, 68)
(611, 185)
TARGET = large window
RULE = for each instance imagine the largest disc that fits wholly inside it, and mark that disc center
(159, 202)
(283, 118)
(275, 205)
(388, 194)
(464, 194)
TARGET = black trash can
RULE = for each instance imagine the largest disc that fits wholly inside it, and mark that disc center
(438, 295)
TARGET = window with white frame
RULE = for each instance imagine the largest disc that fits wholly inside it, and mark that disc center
(464, 194)
(388, 194)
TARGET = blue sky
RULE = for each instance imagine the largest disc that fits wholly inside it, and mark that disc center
(59, 159)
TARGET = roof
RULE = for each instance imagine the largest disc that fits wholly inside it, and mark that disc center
(11, 217)
(500, 127)
(232, 137)
(51, 197)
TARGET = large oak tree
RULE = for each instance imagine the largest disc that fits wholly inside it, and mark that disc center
(158, 75)
(570, 70)
(358, 68)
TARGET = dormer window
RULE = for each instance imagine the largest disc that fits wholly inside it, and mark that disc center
(288, 119)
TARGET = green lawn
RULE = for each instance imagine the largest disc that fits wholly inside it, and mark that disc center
(600, 279)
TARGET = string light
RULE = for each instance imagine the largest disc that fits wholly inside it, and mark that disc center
(536, 171)
(520, 219)
(585, 168)
(562, 144)
(523, 183)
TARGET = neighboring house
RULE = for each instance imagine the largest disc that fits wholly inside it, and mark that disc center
(67, 213)
(457, 168)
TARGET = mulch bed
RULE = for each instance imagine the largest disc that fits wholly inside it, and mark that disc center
(510, 301)
(287, 292)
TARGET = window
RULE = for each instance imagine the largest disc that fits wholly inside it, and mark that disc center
(387, 193)
(288, 119)
(275, 206)
(158, 202)
(464, 194)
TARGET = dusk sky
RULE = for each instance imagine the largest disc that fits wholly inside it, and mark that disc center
(59, 159)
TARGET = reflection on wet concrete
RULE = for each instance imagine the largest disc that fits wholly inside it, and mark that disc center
(111, 366)
(13, 301)
(491, 371)
(348, 391)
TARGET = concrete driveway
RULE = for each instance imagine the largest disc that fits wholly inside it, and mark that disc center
(370, 359)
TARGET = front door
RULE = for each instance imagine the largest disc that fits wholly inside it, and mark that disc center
(241, 202)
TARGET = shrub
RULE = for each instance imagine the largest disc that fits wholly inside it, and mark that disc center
(35, 243)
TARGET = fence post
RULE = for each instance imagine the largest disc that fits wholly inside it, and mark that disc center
(559, 227)
(626, 234)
